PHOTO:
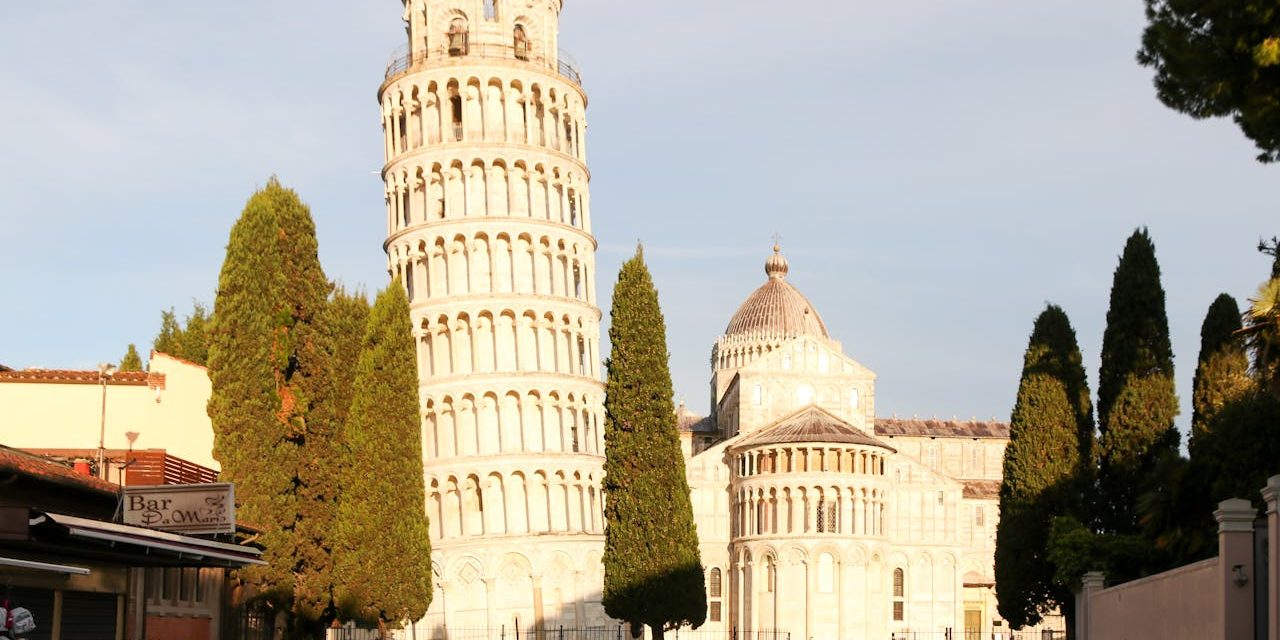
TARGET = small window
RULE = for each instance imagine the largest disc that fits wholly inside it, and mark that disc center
(979, 517)
(772, 577)
(853, 398)
(458, 37)
(714, 581)
(713, 611)
(520, 42)
(899, 583)
(941, 497)
(897, 611)
(757, 395)
(490, 9)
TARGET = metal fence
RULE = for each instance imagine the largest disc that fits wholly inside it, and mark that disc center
(613, 632)
(995, 634)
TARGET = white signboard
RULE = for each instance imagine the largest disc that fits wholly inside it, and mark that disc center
(182, 508)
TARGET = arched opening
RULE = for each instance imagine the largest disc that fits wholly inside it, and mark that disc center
(899, 589)
(458, 37)
(520, 42)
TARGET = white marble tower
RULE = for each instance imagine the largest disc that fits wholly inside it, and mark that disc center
(489, 228)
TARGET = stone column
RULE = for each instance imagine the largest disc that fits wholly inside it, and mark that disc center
(1235, 566)
(1271, 495)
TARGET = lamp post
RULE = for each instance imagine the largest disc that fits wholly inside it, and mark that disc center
(105, 371)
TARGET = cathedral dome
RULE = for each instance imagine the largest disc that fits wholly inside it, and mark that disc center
(776, 308)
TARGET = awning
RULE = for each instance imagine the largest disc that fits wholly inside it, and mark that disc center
(43, 566)
(158, 543)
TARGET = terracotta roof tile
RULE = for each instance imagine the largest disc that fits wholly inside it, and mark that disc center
(811, 424)
(73, 376)
(14, 461)
(984, 489)
(935, 428)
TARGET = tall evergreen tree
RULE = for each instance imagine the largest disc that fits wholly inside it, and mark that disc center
(266, 361)
(1222, 371)
(1136, 398)
(652, 568)
(189, 340)
(382, 550)
(1050, 438)
(131, 360)
(167, 340)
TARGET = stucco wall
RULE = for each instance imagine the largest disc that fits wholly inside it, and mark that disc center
(51, 415)
(1173, 604)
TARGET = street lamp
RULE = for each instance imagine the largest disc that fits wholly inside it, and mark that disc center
(105, 371)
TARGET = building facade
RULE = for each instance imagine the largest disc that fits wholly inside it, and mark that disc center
(819, 519)
(489, 230)
(166, 407)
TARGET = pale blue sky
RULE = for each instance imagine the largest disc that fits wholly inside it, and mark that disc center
(938, 170)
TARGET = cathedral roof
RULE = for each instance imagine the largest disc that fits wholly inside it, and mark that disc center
(811, 424)
(776, 308)
(935, 428)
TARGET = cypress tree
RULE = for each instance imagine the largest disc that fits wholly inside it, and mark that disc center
(266, 361)
(1050, 438)
(167, 340)
(652, 568)
(382, 550)
(1222, 370)
(131, 360)
(189, 342)
(1136, 398)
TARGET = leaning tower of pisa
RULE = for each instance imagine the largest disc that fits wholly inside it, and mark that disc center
(489, 229)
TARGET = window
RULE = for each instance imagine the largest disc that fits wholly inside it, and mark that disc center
(941, 497)
(853, 397)
(520, 41)
(455, 108)
(771, 579)
(931, 457)
(757, 395)
(713, 611)
(408, 281)
(820, 521)
(714, 582)
(831, 518)
(899, 591)
(979, 517)
(458, 37)
(490, 9)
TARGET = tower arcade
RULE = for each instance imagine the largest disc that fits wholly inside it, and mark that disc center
(489, 228)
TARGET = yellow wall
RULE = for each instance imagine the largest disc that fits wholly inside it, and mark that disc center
(67, 416)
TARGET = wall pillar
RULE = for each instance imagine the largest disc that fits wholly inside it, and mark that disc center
(1235, 566)
(1271, 495)
(1090, 585)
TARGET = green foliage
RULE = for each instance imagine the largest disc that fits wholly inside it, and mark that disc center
(1218, 58)
(1222, 373)
(188, 340)
(131, 360)
(1075, 549)
(1262, 335)
(1045, 463)
(382, 551)
(653, 570)
(1242, 448)
(1136, 398)
(266, 362)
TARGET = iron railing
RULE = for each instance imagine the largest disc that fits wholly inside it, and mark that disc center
(562, 63)
(611, 632)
